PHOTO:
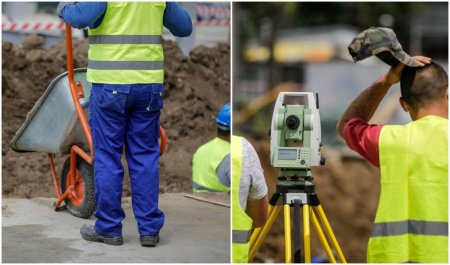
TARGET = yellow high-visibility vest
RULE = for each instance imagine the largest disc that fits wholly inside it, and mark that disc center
(411, 223)
(204, 165)
(126, 48)
(241, 222)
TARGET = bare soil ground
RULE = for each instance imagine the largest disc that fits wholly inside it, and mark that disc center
(196, 86)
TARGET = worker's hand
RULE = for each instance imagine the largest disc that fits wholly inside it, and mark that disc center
(395, 73)
(61, 6)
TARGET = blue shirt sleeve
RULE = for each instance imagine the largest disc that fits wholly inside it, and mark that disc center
(177, 20)
(83, 14)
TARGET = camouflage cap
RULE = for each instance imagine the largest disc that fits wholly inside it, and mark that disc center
(381, 42)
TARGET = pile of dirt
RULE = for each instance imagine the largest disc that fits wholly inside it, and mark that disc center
(348, 189)
(196, 86)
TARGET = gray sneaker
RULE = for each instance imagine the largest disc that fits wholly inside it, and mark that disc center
(88, 233)
(149, 241)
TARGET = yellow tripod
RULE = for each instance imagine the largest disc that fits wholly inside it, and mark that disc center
(297, 194)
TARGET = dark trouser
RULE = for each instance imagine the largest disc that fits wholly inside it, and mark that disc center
(126, 115)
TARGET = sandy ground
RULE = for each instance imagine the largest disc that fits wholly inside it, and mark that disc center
(194, 232)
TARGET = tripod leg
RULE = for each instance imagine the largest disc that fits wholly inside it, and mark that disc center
(263, 232)
(330, 233)
(258, 230)
(272, 204)
(287, 234)
(322, 237)
(297, 232)
(306, 234)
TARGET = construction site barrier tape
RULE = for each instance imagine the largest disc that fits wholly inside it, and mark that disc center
(213, 11)
(46, 26)
(212, 15)
(32, 26)
(212, 22)
(206, 15)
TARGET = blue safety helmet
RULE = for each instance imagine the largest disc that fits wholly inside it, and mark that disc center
(223, 118)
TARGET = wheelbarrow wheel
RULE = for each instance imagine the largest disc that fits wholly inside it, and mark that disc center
(81, 201)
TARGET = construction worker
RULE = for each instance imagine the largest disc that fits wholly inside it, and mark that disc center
(211, 161)
(126, 70)
(411, 223)
(249, 196)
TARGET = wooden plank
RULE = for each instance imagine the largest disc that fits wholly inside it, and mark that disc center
(207, 200)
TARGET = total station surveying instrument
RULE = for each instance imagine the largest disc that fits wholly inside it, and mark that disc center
(295, 142)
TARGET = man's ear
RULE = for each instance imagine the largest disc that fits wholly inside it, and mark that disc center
(403, 104)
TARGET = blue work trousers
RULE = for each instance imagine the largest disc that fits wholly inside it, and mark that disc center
(126, 115)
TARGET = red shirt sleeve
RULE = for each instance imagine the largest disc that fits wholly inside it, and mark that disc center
(363, 139)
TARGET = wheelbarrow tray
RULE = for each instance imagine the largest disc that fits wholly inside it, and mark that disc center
(52, 126)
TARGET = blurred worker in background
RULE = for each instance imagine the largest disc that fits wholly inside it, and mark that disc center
(411, 223)
(249, 196)
(211, 161)
(126, 69)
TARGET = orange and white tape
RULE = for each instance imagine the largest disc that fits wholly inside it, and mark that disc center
(213, 11)
(212, 15)
(212, 22)
(32, 26)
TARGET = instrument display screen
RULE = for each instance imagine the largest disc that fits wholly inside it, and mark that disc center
(287, 154)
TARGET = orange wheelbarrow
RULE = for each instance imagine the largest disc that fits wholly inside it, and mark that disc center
(52, 127)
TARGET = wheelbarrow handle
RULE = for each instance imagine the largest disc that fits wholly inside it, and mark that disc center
(69, 56)
(76, 90)
(163, 137)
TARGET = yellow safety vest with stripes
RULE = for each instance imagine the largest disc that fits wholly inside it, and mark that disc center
(411, 223)
(204, 166)
(126, 48)
(241, 223)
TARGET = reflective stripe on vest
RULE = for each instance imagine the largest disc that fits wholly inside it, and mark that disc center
(411, 227)
(204, 165)
(241, 222)
(241, 236)
(125, 39)
(126, 48)
(125, 65)
(412, 216)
